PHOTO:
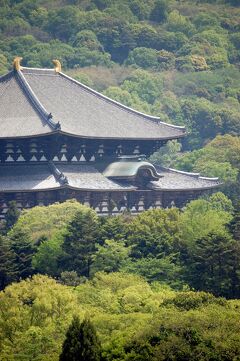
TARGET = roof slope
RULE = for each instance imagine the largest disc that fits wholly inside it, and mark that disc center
(43, 97)
(175, 180)
(37, 177)
(18, 117)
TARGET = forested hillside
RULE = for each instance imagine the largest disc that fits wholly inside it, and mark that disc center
(178, 60)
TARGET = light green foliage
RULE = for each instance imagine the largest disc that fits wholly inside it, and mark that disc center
(147, 86)
(35, 315)
(45, 221)
(110, 257)
(179, 23)
(88, 39)
(200, 218)
(164, 269)
(48, 252)
(220, 202)
(223, 170)
(219, 158)
(131, 100)
(154, 233)
(143, 57)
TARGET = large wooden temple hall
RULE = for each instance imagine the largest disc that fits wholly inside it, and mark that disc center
(60, 139)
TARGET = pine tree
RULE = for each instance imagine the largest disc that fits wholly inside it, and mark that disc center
(24, 250)
(81, 343)
(79, 243)
(12, 215)
(7, 265)
(235, 223)
(213, 265)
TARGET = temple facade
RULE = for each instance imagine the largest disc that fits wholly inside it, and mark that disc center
(59, 139)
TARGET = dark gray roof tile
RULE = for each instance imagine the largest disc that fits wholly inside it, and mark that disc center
(35, 177)
(18, 117)
(174, 180)
(28, 94)
(87, 177)
(23, 177)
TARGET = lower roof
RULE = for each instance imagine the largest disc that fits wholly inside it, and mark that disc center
(85, 177)
(175, 180)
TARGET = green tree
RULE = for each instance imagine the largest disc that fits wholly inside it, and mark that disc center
(110, 257)
(154, 233)
(213, 265)
(45, 260)
(81, 343)
(23, 250)
(143, 57)
(79, 242)
(7, 263)
(12, 215)
(160, 11)
(235, 223)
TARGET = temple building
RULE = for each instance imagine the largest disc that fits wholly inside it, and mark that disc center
(59, 140)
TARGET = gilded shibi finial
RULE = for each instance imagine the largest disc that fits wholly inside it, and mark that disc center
(57, 66)
(16, 63)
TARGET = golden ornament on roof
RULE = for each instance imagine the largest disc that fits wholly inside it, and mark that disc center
(16, 63)
(57, 66)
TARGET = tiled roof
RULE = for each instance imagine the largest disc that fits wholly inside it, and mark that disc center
(174, 180)
(23, 177)
(18, 117)
(87, 177)
(34, 101)
(36, 177)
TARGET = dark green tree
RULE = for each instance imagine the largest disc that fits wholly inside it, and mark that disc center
(213, 265)
(81, 343)
(7, 264)
(79, 243)
(235, 223)
(160, 11)
(23, 250)
(12, 215)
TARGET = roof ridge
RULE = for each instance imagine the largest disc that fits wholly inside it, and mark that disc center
(147, 116)
(45, 69)
(192, 174)
(36, 102)
(6, 76)
(58, 175)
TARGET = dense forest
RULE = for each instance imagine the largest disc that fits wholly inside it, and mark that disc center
(157, 286)
(163, 285)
